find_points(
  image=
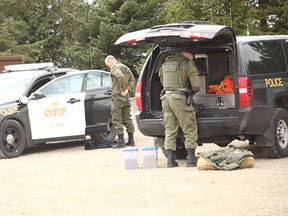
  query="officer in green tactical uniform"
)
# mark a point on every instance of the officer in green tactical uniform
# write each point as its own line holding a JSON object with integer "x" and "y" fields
{"x": 180, "y": 79}
{"x": 123, "y": 82}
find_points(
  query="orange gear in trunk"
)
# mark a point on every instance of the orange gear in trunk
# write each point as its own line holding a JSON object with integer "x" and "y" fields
{"x": 225, "y": 87}
{"x": 212, "y": 89}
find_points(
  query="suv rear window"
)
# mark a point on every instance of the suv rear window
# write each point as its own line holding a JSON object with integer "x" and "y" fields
{"x": 263, "y": 57}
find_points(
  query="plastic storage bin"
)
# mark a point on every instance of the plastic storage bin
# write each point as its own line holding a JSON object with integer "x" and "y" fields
{"x": 130, "y": 156}
{"x": 150, "y": 157}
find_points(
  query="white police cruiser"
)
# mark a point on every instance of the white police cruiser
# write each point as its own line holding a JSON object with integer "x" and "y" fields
{"x": 41, "y": 104}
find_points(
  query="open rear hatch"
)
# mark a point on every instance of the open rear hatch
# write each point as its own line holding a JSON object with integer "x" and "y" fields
{"x": 214, "y": 46}
{"x": 179, "y": 32}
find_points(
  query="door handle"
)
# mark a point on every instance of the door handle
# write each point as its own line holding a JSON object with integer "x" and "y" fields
{"x": 109, "y": 92}
{"x": 73, "y": 100}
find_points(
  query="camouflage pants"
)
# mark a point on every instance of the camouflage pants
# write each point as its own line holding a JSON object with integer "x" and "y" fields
{"x": 121, "y": 114}
{"x": 177, "y": 113}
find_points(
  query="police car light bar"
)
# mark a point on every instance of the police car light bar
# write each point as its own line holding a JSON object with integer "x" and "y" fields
{"x": 25, "y": 67}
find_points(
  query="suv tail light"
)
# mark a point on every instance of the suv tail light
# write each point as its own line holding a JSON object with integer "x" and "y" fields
{"x": 138, "y": 95}
{"x": 246, "y": 94}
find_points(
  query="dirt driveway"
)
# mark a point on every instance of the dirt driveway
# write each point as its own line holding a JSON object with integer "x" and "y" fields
{"x": 65, "y": 179}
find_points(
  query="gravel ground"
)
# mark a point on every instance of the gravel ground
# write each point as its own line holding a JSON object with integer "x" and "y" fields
{"x": 65, "y": 179}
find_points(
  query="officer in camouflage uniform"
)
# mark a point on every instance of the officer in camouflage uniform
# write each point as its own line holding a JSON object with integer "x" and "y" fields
{"x": 123, "y": 82}
{"x": 180, "y": 79}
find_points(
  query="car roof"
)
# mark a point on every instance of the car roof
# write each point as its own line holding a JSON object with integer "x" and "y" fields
{"x": 260, "y": 37}
{"x": 84, "y": 72}
{"x": 95, "y": 70}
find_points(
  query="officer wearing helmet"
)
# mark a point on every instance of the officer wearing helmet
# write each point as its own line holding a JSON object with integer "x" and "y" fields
{"x": 180, "y": 79}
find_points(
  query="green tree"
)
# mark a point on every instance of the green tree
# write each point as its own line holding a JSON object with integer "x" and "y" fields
{"x": 77, "y": 29}
{"x": 74, "y": 33}
{"x": 187, "y": 10}
{"x": 251, "y": 17}
{"x": 272, "y": 16}
{"x": 233, "y": 13}
{"x": 33, "y": 26}
{"x": 122, "y": 17}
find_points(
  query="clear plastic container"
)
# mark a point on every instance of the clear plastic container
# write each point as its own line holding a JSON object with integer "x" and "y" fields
{"x": 130, "y": 156}
{"x": 150, "y": 157}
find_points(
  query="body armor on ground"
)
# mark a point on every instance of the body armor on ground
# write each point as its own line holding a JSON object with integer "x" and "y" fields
{"x": 225, "y": 159}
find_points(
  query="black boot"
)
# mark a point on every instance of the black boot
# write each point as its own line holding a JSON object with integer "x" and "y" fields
{"x": 171, "y": 159}
{"x": 191, "y": 161}
{"x": 130, "y": 140}
{"x": 120, "y": 143}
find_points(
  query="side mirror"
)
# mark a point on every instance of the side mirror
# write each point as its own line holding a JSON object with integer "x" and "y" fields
{"x": 37, "y": 96}
{"x": 23, "y": 100}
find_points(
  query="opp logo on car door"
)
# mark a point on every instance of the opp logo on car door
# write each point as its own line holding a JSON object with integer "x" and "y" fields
{"x": 56, "y": 117}
{"x": 55, "y": 111}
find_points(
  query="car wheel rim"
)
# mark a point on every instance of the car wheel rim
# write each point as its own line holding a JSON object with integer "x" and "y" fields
{"x": 11, "y": 139}
{"x": 282, "y": 134}
{"x": 110, "y": 129}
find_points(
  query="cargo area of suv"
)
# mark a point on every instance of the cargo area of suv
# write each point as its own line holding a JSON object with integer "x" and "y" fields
{"x": 215, "y": 65}
{"x": 232, "y": 102}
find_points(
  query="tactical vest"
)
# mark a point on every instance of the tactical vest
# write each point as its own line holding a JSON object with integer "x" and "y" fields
{"x": 226, "y": 159}
{"x": 173, "y": 76}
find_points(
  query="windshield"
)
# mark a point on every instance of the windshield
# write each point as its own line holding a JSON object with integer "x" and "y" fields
{"x": 12, "y": 87}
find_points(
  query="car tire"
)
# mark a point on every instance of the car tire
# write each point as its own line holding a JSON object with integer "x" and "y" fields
{"x": 105, "y": 137}
{"x": 279, "y": 130}
{"x": 13, "y": 139}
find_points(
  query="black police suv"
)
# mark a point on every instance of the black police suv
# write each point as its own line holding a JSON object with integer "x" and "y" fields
{"x": 39, "y": 104}
{"x": 244, "y": 85}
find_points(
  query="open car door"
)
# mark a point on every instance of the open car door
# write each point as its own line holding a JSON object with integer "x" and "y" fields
{"x": 180, "y": 32}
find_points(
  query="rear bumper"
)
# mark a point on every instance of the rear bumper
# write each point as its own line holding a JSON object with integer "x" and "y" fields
{"x": 207, "y": 127}
{"x": 247, "y": 121}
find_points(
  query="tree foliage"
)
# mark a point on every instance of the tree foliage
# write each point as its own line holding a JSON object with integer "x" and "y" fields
{"x": 75, "y": 33}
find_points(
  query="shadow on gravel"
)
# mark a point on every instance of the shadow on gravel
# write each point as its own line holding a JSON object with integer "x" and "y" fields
{"x": 54, "y": 147}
